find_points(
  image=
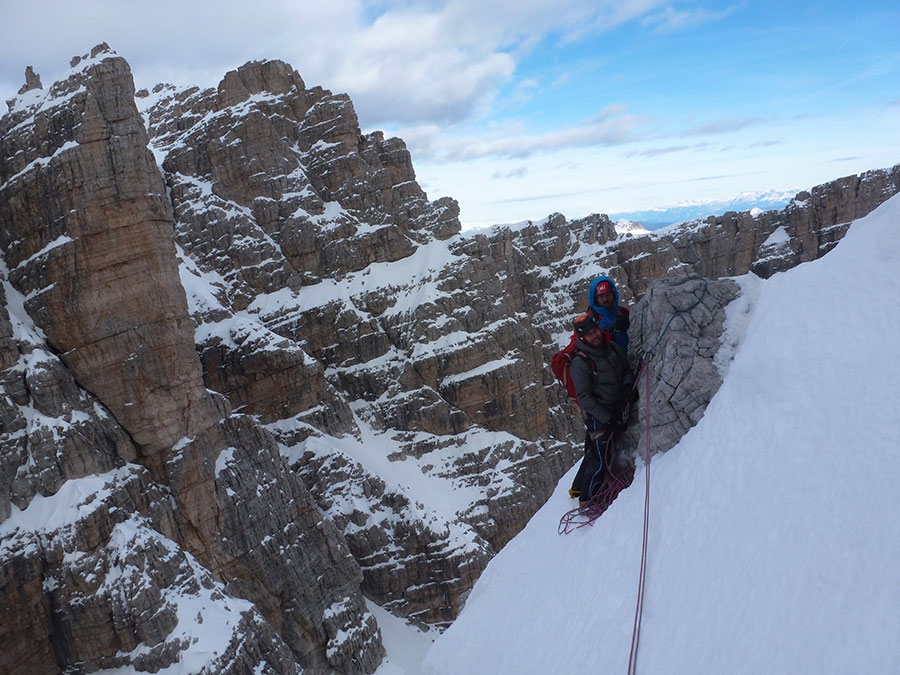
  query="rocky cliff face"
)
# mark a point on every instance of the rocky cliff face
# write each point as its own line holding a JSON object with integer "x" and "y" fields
{"x": 103, "y": 389}
{"x": 252, "y": 375}
{"x": 761, "y": 242}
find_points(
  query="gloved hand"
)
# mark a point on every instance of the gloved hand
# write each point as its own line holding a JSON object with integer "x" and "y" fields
{"x": 634, "y": 395}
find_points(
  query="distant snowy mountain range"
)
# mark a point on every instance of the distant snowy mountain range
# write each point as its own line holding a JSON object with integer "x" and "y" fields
{"x": 653, "y": 219}
{"x": 637, "y": 222}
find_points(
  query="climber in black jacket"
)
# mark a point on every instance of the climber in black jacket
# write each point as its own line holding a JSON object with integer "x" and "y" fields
{"x": 604, "y": 385}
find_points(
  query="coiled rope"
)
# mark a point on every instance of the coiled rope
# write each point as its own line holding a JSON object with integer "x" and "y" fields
{"x": 615, "y": 482}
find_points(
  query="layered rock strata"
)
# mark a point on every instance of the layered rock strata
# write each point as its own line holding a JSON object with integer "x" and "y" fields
{"x": 102, "y": 375}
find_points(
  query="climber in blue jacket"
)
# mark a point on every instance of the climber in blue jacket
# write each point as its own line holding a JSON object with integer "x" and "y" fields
{"x": 603, "y": 301}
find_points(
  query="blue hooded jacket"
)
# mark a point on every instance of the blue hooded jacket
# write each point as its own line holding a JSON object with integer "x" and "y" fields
{"x": 614, "y": 320}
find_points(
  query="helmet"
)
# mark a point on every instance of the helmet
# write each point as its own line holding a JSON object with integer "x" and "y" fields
{"x": 584, "y": 323}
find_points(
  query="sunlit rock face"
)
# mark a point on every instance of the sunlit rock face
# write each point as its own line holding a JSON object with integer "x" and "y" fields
{"x": 257, "y": 376}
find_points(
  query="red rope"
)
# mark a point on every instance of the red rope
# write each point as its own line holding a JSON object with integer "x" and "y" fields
{"x": 639, "y": 609}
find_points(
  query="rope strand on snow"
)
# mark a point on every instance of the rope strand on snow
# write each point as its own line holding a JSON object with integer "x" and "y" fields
{"x": 639, "y": 608}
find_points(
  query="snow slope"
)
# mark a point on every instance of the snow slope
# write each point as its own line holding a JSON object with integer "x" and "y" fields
{"x": 774, "y": 533}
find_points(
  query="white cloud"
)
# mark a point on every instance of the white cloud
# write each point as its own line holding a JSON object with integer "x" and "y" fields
{"x": 721, "y": 126}
{"x": 494, "y": 99}
{"x": 669, "y": 18}
{"x": 614, "y": 130}
{"x": 612, "y": 126}
{"x": 447, "y": 63}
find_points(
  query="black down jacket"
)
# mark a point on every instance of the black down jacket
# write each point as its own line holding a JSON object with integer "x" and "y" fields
{"x": 604, "y": 384}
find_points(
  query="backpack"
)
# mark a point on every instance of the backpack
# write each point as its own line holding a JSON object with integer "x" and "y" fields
{"x": 561, "y": 364}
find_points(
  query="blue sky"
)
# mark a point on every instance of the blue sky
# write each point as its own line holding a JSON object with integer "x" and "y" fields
{"x": 522, "y": 108}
